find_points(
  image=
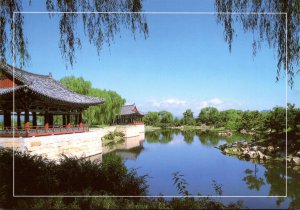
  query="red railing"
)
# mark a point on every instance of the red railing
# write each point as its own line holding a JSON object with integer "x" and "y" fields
{"x": 42, "y": 131}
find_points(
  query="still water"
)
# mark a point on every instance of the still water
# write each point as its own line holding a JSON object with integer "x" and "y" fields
{"x": 162, "y": 153}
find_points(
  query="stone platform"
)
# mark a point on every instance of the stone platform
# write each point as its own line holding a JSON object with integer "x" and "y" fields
{"x": 76, "y": 144}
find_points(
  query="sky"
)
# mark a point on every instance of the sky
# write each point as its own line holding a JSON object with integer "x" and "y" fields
{"x": 184, "y": 63}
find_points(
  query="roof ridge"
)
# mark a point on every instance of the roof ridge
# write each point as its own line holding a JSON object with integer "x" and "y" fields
{"x": 27, "y": 72}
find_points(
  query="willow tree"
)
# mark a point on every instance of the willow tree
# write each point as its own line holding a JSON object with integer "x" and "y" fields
{"x": 266, "y": 27}
{"x": 100, "y": 114}
{"x": 100, "y": 26}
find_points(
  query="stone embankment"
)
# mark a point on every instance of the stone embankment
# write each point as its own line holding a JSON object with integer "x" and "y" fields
{"x": 250, "y": 150}
{"x": 76, "y": 144}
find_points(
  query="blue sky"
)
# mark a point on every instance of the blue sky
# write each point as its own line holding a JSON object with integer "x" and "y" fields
{"x": 184, "y": 63}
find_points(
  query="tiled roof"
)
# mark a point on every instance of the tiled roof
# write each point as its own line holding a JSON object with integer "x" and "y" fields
{"x": 130, "y": 109}
{"x": 47, "y": 87}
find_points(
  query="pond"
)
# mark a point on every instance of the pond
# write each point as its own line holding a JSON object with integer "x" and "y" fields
{"x": 193, "y": 154}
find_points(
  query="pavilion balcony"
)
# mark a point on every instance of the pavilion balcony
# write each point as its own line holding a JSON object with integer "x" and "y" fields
{"x": 42, "y": 131}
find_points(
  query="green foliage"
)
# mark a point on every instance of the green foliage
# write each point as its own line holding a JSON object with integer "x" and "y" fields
{"x": 277, "y": 119}
{"x": 103, "y": 113}
{"x": 188, "y": 118}
{"x": 209, "y": 116}
{"x": 71, "y": 176}
{"x": 229, "y": 118}
{"x": 152, "y": 119}
{"x": 35, "y": 175}
{"x": 113, "y": 138}
{"x": 177, "y": 122}
{"x": 166, "y": 118}
{"x": 162, "y": 119}
{"x": 252, "y": 121}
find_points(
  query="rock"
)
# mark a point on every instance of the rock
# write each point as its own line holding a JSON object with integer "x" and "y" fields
{"x": 245, "y": 152}
{"x": 222, "y": 147}
{"x": 262, "y": 149}
{"x": 298, "y": 154}
{"x": 270, "y": 148}
{"x": 297, "y": 168}
{"x": 296, "y": 161}
{"x": 261, "y": 155}
{"x": 234, "y": 149}
{"x": 255, "y": 148}
{"x": 252, "y": 154}
{"x": 245, "y": 144}
{"x": 289, "y": 159}
{"x": 226, "y": 151}
{"x": 243, "y": 131}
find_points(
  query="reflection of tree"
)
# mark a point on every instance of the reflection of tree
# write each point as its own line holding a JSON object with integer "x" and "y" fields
{"x": 208, "y": 139}
{"x": 275, "y": 176}
{"x": 152, "y": 136}
{"x": 162, "y": 136}
{"x": 213, "y": 139}
{"x": 188, "y": 136}
{"x": 166, "y": 136}
{"x": 252, "y": 180}
{"x": 136, "y": 151}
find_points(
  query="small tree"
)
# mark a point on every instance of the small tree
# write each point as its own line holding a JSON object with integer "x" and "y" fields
{"x": 166, "y": 118}
{"x": 277, "y": 119}
{"x": 188, "y": 118}
{"x": 151, "y": 118}
{"x": 209, "y": 116}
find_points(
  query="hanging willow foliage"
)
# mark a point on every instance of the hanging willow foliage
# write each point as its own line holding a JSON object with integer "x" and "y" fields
{"x": 103, "y": 113}
{"x": 266, "y": 27}
{"x": 99, "y": 27}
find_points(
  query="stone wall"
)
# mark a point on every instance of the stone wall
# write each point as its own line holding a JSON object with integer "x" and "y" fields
{"x": 77, "y": 144}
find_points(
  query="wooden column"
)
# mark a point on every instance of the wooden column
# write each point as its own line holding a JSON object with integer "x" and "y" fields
{"x": 68, "y": 120}
{"x": 19, "y": 120}
{"x": 7, "y": 119}
{"x": 26, "y": 120}
{"x": 46, "y": 120}
{"x": 64, "y": 120}
{"x": 76, "y": 119}
{"x": 50, "y": 116}
{"x": 80, "y": 120}
{"x": 34, "y": 123}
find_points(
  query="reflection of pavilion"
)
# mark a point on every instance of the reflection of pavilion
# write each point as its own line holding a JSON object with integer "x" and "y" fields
{"x": 34, "y": 95}
{"x": 129, "y": 149}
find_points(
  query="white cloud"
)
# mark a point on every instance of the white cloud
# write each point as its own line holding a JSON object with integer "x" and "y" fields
{"x": 168, "y": 102}
{"x": 178, "y": 106}
{"x": 220, "y": 104}
{"x": 215, "y": 102}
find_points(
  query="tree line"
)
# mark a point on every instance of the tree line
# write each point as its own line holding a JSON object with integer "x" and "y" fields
{"x": 99, "y": 114}
{"x": 232, "y": 119}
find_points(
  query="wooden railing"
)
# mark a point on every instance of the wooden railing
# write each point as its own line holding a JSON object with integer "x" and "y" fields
{"x": 42, "y": 131}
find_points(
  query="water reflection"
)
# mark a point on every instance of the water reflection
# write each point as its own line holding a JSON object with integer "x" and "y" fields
{"x": 130, "y": 148}
{"x": 208, "y": 138}
{"x": 252, "y": 180}
{"x": 165, "y": 151}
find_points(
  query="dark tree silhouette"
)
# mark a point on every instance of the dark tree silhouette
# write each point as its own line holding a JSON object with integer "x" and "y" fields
{"x": 270, "y": 28}
{"x": 98, "y": 28}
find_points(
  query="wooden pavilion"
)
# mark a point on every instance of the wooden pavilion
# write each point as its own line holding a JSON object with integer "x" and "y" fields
{"x": 30, "y": 95}
{"x": 130, "y": 115}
